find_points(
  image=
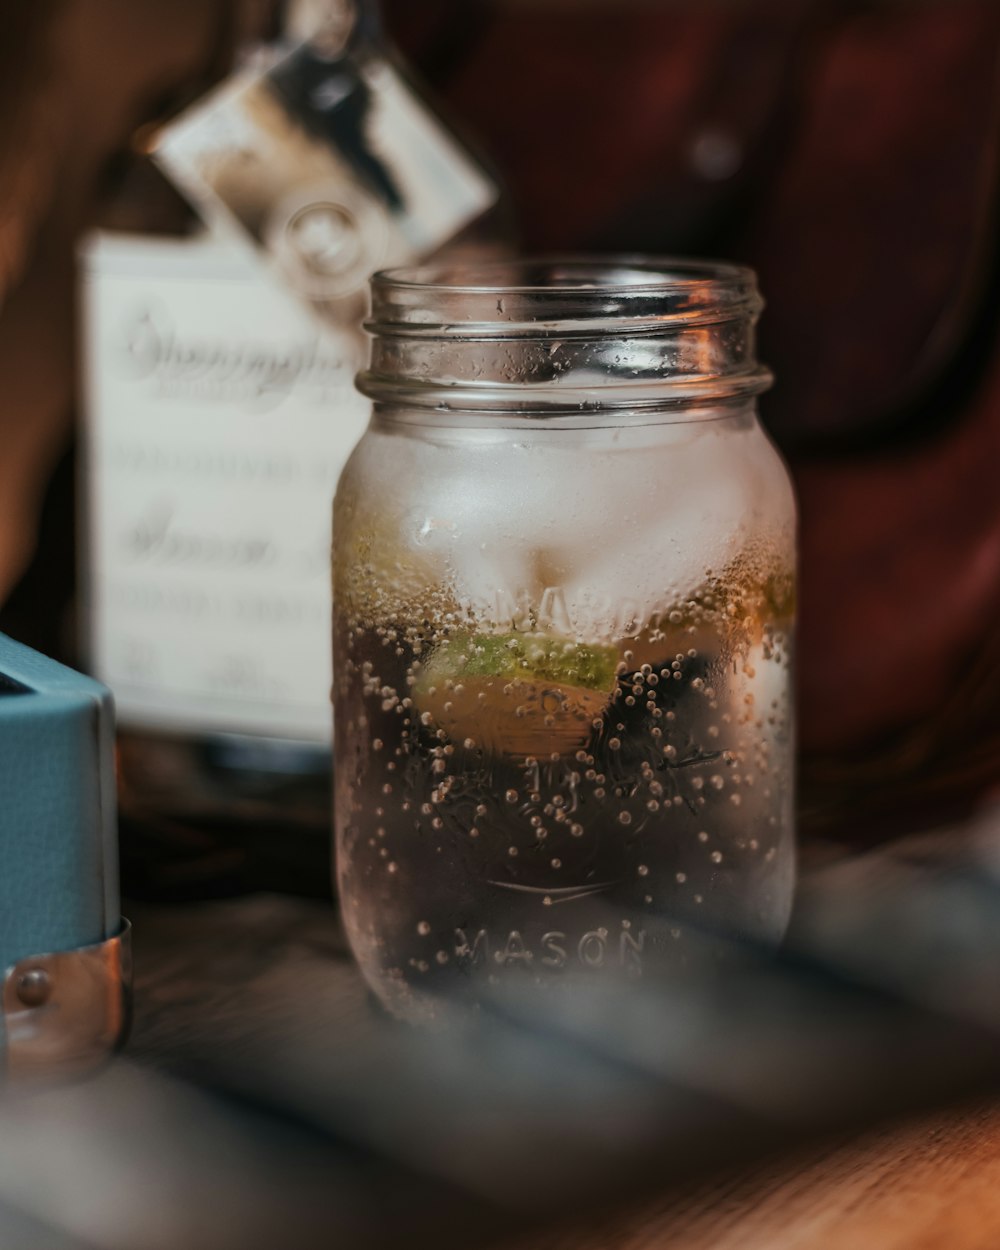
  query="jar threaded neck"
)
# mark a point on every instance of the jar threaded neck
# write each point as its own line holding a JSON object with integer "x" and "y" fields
{"x": 556, "y": 335}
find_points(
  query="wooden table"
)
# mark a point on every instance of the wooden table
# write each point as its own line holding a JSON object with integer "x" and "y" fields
{"x": 841, "y": 1097}
{"x": 929, "y": 1183}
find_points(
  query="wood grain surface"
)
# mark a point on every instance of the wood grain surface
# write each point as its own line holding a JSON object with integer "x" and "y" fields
{"x": 927, "y": 1184}
{"x": 843, "y": 1095}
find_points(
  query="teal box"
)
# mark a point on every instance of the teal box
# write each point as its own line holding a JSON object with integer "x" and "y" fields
{"x": 63, "y": 945}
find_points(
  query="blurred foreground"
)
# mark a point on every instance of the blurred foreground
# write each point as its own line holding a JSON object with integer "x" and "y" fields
{"x": 264, "y": 1100}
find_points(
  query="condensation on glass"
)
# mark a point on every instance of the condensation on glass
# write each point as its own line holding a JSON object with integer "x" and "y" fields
{"x": 564, "y": 596}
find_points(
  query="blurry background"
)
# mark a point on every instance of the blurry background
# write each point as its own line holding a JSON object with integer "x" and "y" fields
{"x": 848, "y": 151}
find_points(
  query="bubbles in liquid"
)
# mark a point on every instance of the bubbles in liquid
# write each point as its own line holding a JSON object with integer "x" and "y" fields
{"x": 541, "y": 826}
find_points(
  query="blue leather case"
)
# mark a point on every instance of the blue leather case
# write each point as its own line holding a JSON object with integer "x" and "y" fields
{"x": 64, "y": 949}
{"x": 59, "y": 884}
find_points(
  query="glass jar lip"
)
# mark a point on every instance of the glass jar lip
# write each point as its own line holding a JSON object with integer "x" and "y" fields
{"x": 558, "y": 335}
{"x": 583, "y": 294}
{"x": 609, "y": 273}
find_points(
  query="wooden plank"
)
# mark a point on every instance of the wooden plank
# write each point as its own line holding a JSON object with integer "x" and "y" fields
{"x": 265, "y": 1100}
{"x": 928, "y": 1184}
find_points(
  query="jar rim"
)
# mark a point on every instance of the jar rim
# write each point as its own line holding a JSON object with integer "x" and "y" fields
{"x": 614, "y": 273}
{"x": 511, "y": 297}
{"x": 553, "y": 335}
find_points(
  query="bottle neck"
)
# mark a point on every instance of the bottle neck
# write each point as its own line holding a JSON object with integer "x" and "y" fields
{"x": 342, "y": 22}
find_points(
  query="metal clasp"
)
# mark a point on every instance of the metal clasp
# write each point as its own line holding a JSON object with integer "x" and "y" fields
{"x": 67, "y": 1011}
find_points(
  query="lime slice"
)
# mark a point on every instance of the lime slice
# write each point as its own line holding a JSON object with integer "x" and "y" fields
{"x": 517, "y": 694}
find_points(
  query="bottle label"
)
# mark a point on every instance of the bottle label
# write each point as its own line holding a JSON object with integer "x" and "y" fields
{"x": 219, "y": 417}
{"x": 221, "y": 410}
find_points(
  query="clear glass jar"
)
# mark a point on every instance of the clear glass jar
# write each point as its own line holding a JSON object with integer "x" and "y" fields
{"x": 564, "y": 572}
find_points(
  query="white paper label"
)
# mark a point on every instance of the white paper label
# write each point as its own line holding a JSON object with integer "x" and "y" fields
{"x": 221, "y": 411}
{"x": 220, "y": 416}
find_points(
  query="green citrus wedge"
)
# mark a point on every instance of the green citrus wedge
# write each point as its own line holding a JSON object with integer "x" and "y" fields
{"x": 517, "y": 694}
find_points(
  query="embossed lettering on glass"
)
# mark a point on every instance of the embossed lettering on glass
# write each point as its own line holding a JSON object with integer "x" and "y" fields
{"x": 564, "y": 576}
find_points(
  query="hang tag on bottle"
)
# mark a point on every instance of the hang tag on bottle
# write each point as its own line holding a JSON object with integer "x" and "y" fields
{"x": 329, "y": 166}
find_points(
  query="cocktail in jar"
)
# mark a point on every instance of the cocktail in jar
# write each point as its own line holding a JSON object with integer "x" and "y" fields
{"x": 564, "y": 601}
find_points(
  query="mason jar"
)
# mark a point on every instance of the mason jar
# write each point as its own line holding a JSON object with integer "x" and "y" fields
{"x": 564, "y": 589}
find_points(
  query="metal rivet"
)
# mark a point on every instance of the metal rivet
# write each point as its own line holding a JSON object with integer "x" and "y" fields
{"x": 33, "y": 987}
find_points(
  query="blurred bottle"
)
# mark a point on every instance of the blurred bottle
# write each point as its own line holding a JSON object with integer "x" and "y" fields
{"x": 219, "y": 371}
